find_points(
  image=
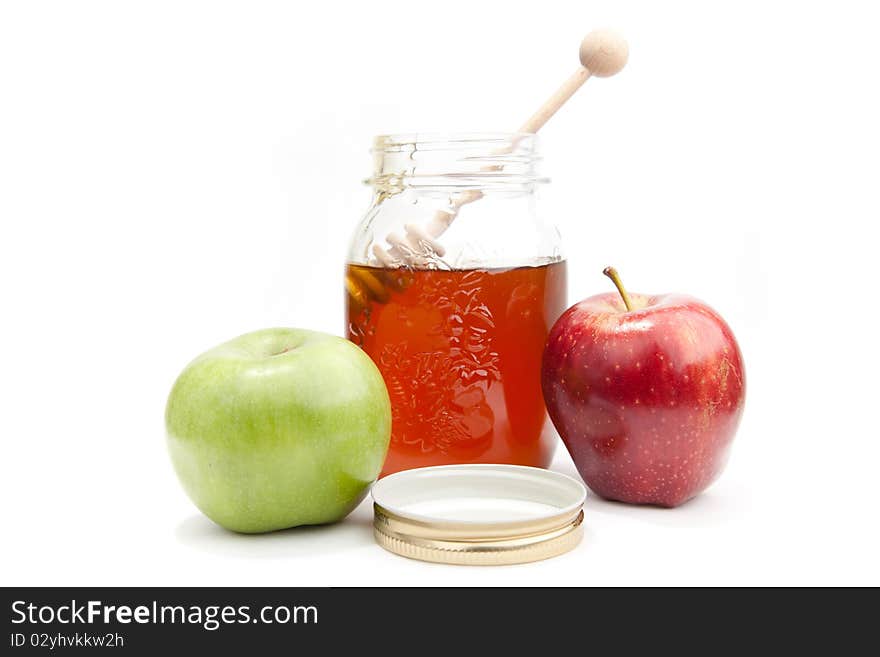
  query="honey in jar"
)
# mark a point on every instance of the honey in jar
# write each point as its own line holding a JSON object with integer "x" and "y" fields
{"x": 460, "y": 352}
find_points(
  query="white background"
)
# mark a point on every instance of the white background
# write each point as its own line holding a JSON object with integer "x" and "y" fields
{"x": 173, "y": 174}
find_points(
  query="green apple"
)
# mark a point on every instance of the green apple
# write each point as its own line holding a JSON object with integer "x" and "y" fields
{"x": 278, "y": 428}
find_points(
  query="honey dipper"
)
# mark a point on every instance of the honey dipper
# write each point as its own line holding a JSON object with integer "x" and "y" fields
{"x": 602, "y": 54}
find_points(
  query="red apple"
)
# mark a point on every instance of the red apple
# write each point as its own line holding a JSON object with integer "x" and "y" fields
{"x": 646, "y": 392}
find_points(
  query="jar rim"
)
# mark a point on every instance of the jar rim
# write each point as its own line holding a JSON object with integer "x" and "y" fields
{"x": 437, "y": 140}
{"x": 502, "y": 161}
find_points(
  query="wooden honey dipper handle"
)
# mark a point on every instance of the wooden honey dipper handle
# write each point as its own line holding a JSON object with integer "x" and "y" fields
{"x": 602, "y": 54}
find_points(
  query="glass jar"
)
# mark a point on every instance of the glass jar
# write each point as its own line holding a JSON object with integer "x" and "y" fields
{"x": 453, "y": 282}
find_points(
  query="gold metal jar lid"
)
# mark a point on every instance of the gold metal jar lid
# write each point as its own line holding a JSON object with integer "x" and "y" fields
{"x": 478, "y": 514}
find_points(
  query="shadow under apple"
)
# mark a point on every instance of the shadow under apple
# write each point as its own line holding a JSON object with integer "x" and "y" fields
{"x": 709, "y": 509}
{"x": 353, "y": 532}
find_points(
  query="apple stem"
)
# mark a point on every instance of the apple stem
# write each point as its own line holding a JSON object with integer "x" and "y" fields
{"x": 611, "y": 273}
